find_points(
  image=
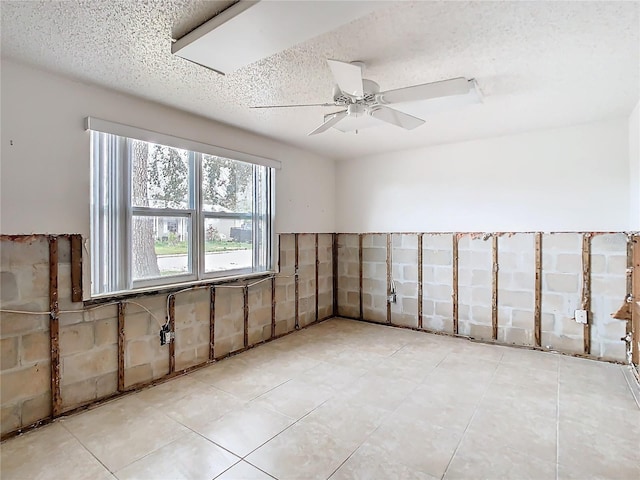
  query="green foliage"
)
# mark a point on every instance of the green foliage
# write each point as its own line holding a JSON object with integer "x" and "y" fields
{"x": 227, "y": 183}
{"x": 181, "y": 248}
{"x": 168, "y": 175}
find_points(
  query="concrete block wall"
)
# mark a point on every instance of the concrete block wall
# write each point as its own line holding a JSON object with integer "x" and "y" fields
{"x": 25, "y": 379}
{"x": 516, "y": 289}
{"x": 475, "y": 265}
{"x": 404, "y": 261}
{"x": 437, "y": 282}
{"x": 88, "y": 336}
{"x": 348, "y": 276}
{"x": 306, "y": 278}
{"x": 374, "y": 278}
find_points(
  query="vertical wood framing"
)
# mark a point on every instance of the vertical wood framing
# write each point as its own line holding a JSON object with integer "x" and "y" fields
{"x": 245, "y": 301}
{"x": 273, "y": 307}
{"x": 121, "y": 310}
{"x": 420, "y": 237}
{"x": 212, "y": 323}
{"x": 361, "y": 314}
{"x": 76, "y": 267}
{"x": 334, "y": 269}
{"x": 172, "y": 329}
{"x": 538, "y": 291}
{"x": 494, "y": 291}
{"x": 454, "y": 296}
{"x": 54, "y": 327}
{"x": 317, "y": 275}
{"x": 388, "y": 278}
{"x": 635, "y": 303}
{"x": 586, "y": 289}
{"x": 297, "y": 284}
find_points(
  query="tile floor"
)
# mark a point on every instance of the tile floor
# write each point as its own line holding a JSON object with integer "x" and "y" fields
{"x": 351, "y": 400}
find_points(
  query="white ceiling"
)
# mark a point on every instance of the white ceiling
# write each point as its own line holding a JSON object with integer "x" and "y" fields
{"x": 539, "y": 64}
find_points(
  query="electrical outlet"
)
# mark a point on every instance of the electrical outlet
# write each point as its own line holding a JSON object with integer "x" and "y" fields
{"x": 392, "y": 298}
{"x": 581, "y": 316}
{"x": 165, "y": 335}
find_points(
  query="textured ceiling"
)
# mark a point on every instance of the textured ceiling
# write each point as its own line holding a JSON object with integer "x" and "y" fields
{"x": 539, "y": 64}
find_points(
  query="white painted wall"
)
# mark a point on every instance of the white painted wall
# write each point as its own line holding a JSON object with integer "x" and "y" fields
{"x": 45, "y": 173}
{"x": 634, "y": 168}
{"x": 573, "y": 178}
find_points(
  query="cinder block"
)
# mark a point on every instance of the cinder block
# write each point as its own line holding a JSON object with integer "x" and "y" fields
{"x": 8, "y": 353}
{"x": 617, "y": 265}
{"x": 8, "y": 287}
{"x": 410, "y": 272}
{"x": 24, "y": 383}
{"x": 562, "y": 282}
{"x": 480, "y": 331}
{"x": 438, "y": 241}
{"x": 613, "y": 286}
{"x": 515, "y": 299}
{"x": 136, "y": 325}
{"x": 106, "y": 384}
{"x": 36, "y": 408}
{"x": 16, "y": 324}
{"x": 562, "y": 242}
{"x": 481, "y": 314}
{"x": 437, "y": 257}
{"x": 36, "y": 347}
{"x": 516, "y": 336}
{"x": 569, "y": 263}
{"x": 10, "y": 418}
{"x": 76, "y": 338}
{"x": 404, "y": 256}
{"x": 523, "y": 319}
{"x": 90, "y": 364}
{"x": 481, "y": 278}
{"x": 444, "y": 309}
{"x": 481, "y": 295}
{"x": 78, "y": 393}
{"x": 610, "y": 242}
{"x": 410, "y": 306}
{"x": 139, "y": 374}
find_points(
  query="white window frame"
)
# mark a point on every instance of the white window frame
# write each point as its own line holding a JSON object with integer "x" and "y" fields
{"x": 121, "y": 272}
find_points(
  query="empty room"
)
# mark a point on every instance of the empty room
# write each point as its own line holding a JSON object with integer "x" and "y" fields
{"x": 320, "y": 240}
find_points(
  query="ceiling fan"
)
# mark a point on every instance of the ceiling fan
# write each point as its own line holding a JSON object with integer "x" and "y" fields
{"x": 361, "y": 98}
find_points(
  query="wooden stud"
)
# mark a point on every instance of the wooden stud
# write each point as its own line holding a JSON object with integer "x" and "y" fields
{"x": 361, "y": 316}
{"x": 635, "y": 302}
{"x": 317, "y": 276}
{"x": 334, "y": 278}
{"x": 121, "y": 311}
{"x": 76, "y": 268}
{"x": 172, "y": 329}
{"x": 454, "y": 296}
{"x": 212, "y": 323}
{"x": 388, "y": 278}
{"x": 494, "y": 292}
{"x": 537, "y": 316}
{"x": 273, "y": 307}
{"x": 420, "y": 235}
{"x": 245, "y": 300}
{"x": 586, "y": 289}
{"x": 54, "y": 327}
{"x": 297, "y": 284}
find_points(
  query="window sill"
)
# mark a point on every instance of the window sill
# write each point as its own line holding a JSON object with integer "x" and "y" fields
{"x": 173, "y": 288}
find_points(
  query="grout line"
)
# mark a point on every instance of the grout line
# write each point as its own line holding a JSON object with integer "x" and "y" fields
{"x": 475, "y": 411}
{"x": 90, "y": 452}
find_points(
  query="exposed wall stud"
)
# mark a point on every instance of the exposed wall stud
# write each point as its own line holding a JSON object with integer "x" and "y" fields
{"x": 635, "y": 305}
{"x": 420, "y": 242}
{"x": 494, "y": 292}
{"x": 273, "y": 307}
{"x": 54, "y": 327}
{"x": 212, "y": 322}
{"x": 76, "y": 267}
{"x": 389, "y": 287}
{"x": 172, "y": 329}
{"x": 538, "y": 291}
{"x": 317, "y": 276}
{"x": 334, "y": 260}
{"x": 297, "y": 283}
{"x": 121, "y": 310}
{"x": 586, "y": 289}
{"x": 454, "y": 296}
{"x": 245, "y": 301}
{"x": 360, "y": 237}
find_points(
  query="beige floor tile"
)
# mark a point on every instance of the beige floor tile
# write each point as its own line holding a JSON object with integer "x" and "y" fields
{"x": 123, "y": 431}
{"x": 50, "y": 452}
{"x": 419, "y": 445}
{"x": 531, "y": 359}
{"x": 168, "y": 393}
{"x": 189, "y": 457}
{"x": 336, "y": 377}
{"x": 365, "y": 464}
{"x": 483, "y": 460}
{"x": 307, "y": 451}
{"x": 437, "y": 411}
{"x": 245, "y": 429}
{"x": 244, "y": 471}
{"x": 295, "y": 398}
{"x": 383, "y": 392}
{"x": 248, "y": 383}
{"x": 203, "y": 405}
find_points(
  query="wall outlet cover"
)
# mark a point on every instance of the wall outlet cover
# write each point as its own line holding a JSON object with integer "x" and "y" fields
{"x": 581, "y": 316}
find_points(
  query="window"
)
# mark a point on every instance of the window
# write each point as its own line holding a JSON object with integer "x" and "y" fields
{"x": 163, "y": 215}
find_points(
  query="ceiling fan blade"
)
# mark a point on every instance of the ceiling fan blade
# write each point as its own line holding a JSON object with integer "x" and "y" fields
{"x": 303, "y": 105}
{"x": 348, "y": 77}
{"x": 444, "y": 88}
{"x": 330, "y": 121}
{"x": 396, "y": 117}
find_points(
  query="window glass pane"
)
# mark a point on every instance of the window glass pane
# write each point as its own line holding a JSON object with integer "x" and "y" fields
{"x": 227, "y": 244}
{"x": 160, "y": 246}
{"x": 227, "y": 185}
{"x": 159, "y": 176}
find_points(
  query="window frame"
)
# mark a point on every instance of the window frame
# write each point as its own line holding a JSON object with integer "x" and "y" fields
{"x": 121, "y": 271}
